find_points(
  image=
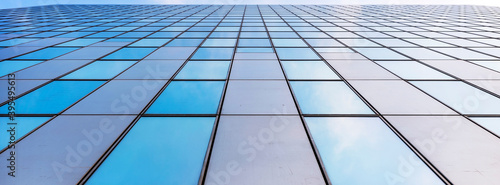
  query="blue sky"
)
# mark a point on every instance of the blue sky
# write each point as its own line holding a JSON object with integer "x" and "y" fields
{"x": 24, "y": 3}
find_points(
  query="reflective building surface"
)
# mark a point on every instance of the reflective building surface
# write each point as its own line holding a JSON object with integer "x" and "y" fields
{"x": 250, "y": 95}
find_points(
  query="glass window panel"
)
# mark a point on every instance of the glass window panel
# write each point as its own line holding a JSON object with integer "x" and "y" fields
{"x": 380, "y": 54}
{"x": 10, "y": 66}
{"x": 54, "y": 97}
{"x": 23, "y": 126}
{"x": 164, "y": 34}
{"x": 462, "y": 53}
{"x": 204, "y": 70}
{"x": 150, "y": 42}
{"x": 328, "y": 98}
{"x": 412, "y": 70}
{"x": 81, "y": 42}
{"x": 492, "y": 124}
{"x": 224, "y": 34}
{"x": 100, "y": 70}
{"x": 461, "y": 97}
{"x": 174, "y": 153}
{"x": 255, "y": 50}
{"x": 47, "y": 53}
{"x": 429, "y": 43}
{"x": 308, "y": 70}
{"x": 185, "y": 42}
{"x": 253, "y": 35}
{"x": 283, "y": 34}
{"x": 296, "y": 54}
{"x": 194, "y": 35}
{"x": 394, "y": 43}
{"x": 258, "y": 97}
{"x": 324, "y": 43}
{"x": 358, "y": 42}
{"x": 495, "y": 65}
{"x": 351, "y": 148}
{"x": 422, "y": 53}
{"x": 189, "y": 97}
{"x": 130, "y": 53}
{"x": 214, "y": 53}
{"x": 289, "y": 43}
{"x": 16, "y": 41}
{"x": 254, "y": 43}
{"x": 219, "y": 42}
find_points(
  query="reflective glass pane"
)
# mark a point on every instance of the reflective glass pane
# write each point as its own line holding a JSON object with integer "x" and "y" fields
{"x": 254, "y": 43}
{"x": 296, "y": 54}
{"x": 54, "y": 97}
{"x": 328, "y": 98}
{"x": 150, "y": 42}
{"x": 81, "y": 42}
{"x": 22, "y": 125}
{"x": 380, "y": 54}
{"x": 174, "y": 152}
{"x": 13, "y": 42}
{"x": 47, "y": 53}
{"x": 185, "y": 42}
{"x": 492, "y": 124}
{"x": 100, "y": 70}
{"x": 352, "y": 148}
{"x": 204, "y": 70}
{"x": 412, "y": 70}
{"x": 10, "y": 66}
{"x": 289, "y": 43}
{"x": 308, "y": 70}
{"x": 130, "y": 53}
{"x": 214, "y": 53}
{"x": 461, "y": 97}
{"x": 219, "y": 43}
{"x": 189, "y": 97}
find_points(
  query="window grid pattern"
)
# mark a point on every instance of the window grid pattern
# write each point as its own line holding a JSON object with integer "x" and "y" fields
{"x": 316, "y": 67}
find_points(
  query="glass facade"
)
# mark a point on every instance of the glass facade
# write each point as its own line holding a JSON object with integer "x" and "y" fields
{"x": 250, "y": 94}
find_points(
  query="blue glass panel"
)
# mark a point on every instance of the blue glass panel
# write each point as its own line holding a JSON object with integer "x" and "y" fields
{"x": 296, "y": 54}
{"x": 333, "y": 97}
{"x": 366, "y": 151}
{"x": 150, "y": 42}
{"x": 194, "y": 35}
{"x": 204, "y": 70}
{"x": 134, "y": 34}
{"x": 308, "y": 70}
{"x": 80, "y": 42}
{"x": 224, "y": 34}
{"x": 130, "y": 53}
{"x": 214, "y": 53}
{"x": 100, "y": 70}
{"x": 165, "y": 34}
{"x": 54, "y": 97}
{"x": 185, "y": 42}
{"x": 47, "y": 53}
{"x": 22, "y": 127}
{"x": 189, "y": 97}
{"x": 13, "y": 42}
{"x": 10, "y": 66}
{"x": 105, "y": 34}
{"x": 173, "y": 154}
